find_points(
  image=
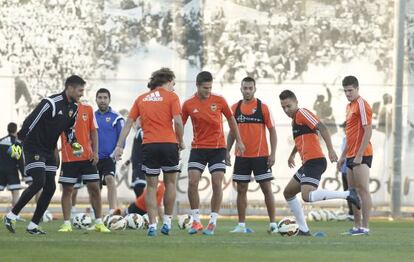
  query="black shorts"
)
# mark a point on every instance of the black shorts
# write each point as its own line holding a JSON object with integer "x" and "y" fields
{"x": 244, "y": 166}
{"x": 38, "y": 163}
{"x": 72, "y": 172}
{"x": 214, "y": 157}
{"x": 160, "y": 156}
{"x": 132, "y": 208}
{"x": 311, "y": 172}
{"x": 9, "y": 179}
{"x": 365, "y": 160}
{"x": 138, "y": 176}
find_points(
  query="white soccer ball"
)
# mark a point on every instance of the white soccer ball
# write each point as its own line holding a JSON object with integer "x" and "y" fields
{"x": 134, "y": 221}
{"x": 340, "y": 215}
{"x": 105, "y": 220}
{"x": 82, "y": 221}
{"x": 185, "y": 221}
{"x": 47, "y": 216}
{"x": 146, "y": 221}
{"x": 116, "y": 222}
{"x": 288, "y": 227}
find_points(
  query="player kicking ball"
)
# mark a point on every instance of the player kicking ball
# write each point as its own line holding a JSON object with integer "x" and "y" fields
{"x": 305, "y": 127}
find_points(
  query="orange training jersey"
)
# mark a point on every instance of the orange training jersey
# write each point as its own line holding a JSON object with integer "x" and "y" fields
{"x": 85, "y": 123}
{"x": 252, "y": 121}
{"x": 140, "y": 201}
{"x": 206, "y": 117}
{"x": 306, "y": 137}
{"x": 358, "y": 114}
{"x": 157, "y": 109}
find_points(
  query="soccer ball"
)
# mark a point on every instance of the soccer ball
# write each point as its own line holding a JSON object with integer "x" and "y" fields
{"x": 116, "y": 222}
{"x": 146, "y": 221}
{"x": 82, "y": 221}
{"x": 134, "y": 221}
{"x": 185, "y": 221}
{"x": 15, "y": 151}
{"x": 47, "y": 216}
{"x": 288, "y": 227}
{"x": 106, "y": 220}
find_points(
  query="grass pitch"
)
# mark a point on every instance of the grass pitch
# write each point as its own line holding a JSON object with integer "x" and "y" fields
{"x": 389, "y": 241}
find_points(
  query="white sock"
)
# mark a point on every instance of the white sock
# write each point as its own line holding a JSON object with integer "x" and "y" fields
{"x": 167, "y": 220}
{"x": 66, "y": 222}
{"x": 322, "y": 194}
{"x": 196, "y": 214}
{"x": 213, "y": 218}
{"x": 32, "y": 226}
{"x": 154, "y": 226}
{"x": 297, "y": 211}
{"x": 242, "y": 224}
{"x": 98, "y": 221}
{"x": 272, "y": 224}
{"x": 12, "y": 216}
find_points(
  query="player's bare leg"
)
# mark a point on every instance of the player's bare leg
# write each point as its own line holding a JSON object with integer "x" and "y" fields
{"x": 169, "y": 200}
{"x": 361, "y": 179}
{"x": 151, "y": 202}
{"x": 194, "y": 199}
{"x": 290, "y": 192}
{"x": 242, "y": 200}
{"x": 357, "y": 213}
{"x": 269, "y": 199}
{"x": 112, "y": 192}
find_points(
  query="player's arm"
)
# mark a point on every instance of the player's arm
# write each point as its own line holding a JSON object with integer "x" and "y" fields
{"x": 42, "y": 110}
{"x": 179, "y": 131}
{"x": 122, "y": 138}
{"x": 273, "y": 145}
{"x": 364, "y": 143}
{"x": 291, "y": 160}
{"x": 230, "y": 142}
{"x": 95, "y": 146}
{"x": 327, "y": 138}
{"x": 70, "y": 131}
{"x": 343, "y": 157}
{"x": 235, "y": 132}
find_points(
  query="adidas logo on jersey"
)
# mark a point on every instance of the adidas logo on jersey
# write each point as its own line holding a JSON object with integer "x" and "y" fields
{"x": 195, "y": 110}
{"x": 60, "y": 112}
{"x": 153, "y": 97}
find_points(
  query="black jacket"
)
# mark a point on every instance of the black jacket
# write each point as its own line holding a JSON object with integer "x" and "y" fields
{"x": 42, "y": 128}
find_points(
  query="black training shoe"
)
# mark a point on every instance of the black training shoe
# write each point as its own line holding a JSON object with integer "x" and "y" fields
{"x": 304, "y": 234}
{"x": 36, "y": 231}
{"x": 10, "y": 224}
{"x": 353, "y": 197}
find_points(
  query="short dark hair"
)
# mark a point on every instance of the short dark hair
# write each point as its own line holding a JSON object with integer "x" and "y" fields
{"x": 160, "y": 77}
{"x": 287, "y": 94}
{"x": 103, "y": 91}
{"x": 248, "y": 79}
{"x": 350, "y": 81}
{"x": 74, "y": 80}
{"x": 204, "y": 76}
{"x": 11, "y": 128}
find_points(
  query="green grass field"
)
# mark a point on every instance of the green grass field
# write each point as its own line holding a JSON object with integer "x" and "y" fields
{"x": 389, "y": 241}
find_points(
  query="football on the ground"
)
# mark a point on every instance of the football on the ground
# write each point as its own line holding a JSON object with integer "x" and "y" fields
{"x": 105, "y": 220}
{"x": 134, "y": 221}
{"x": 47, "y": 216}
{"x": 185, "y": 221}
{"x": 288, "y": 227}
{"x": 82, "y": 221}
{"x": 116, "y": 222}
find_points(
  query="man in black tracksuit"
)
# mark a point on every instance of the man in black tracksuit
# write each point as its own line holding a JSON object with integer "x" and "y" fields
{"x": 40, "y": 133}
{"x": 9, "y": 176}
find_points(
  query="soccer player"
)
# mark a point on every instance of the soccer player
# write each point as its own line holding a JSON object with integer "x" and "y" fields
{"x": 253, "y": 117}
{"x": 39, "y": 133}
{"x": 10, "y": 164}
{"x": 139, "y": 206}
{"x": 83, "y": 166}
{"x": 110, "y": 124}
{"x": 208, "y": 146}
{"x": 358, "y": 151}
{"x": 305, "y": 127}
{"x": 160, "y": 113}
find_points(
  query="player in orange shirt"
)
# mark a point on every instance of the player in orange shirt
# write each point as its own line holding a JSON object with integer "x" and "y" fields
{"x": 158, "y": 109}
{"x": 253, "y": 117}
{"x": 305, "y": 127}
{"x": 208, "y": 146}
{"x": 83, "y": 166}
{"x": 139, "y": 206}
{"x": 358, "y": 151}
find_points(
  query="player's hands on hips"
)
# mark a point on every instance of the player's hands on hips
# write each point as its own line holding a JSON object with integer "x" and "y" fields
{"x": 94, "y": 158}
{"x": 118, "y": 153}
{"x": 271, "y": 161}
{"x": 332, "y": 156}
{"x": 240, "y": 147}
{"x": 291, "y": 161}
{"x": 228, "y": 159}
{"x": 77, "y": 149}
